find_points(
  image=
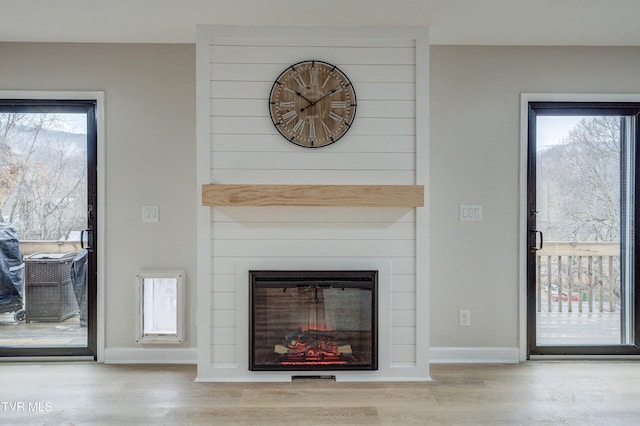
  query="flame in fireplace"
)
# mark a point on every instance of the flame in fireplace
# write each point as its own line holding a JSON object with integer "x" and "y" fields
{"x": 313, "y": 347}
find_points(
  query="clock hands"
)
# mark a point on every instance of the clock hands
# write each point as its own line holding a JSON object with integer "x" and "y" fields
{"x": 305, "y": 98}
{"x": 337, "y": 89}
{"x": 288, "y": 89}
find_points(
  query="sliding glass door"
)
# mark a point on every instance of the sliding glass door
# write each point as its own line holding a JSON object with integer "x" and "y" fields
{"x": 48, "y": 199}
{"x": 581, "y": 290}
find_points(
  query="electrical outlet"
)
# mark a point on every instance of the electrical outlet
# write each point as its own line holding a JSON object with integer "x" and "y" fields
{"x": 464, "y": 318}
{"x": 150, "y": 214}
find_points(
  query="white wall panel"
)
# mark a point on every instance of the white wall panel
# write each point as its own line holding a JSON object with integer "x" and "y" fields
{"x": 223, "y": 334}
{"x": 275, "y": 142}
{"x": 337, "y": 55}
{"x": 312, "y": 248}
{"x": 240, "y": 89}
{"x": 245, "y": 148}
{"x": 301, "y": 230}
{"x": 403, "y": 335}
{"x": 278, "y": 215}
{"x": 329, "y": 38}
{"x": 268, "y": 72}
{"x": 403, "y": 301}
{"x": 224, "y": 283}
{"x": 304, "y": 159}
{"x": 224, "y": 267}
{"x": 379, "y": 126}
{"x": 224, "y": 299}
{"x": 403, "y": 318}
{"x": 404, "y": 283}
{"x": 377, "y": 108}
{"x": 223, "y": 317}
{"x": 224, "y": 354}
{"x": 403, "y": 354}
{"x": 328, "y": 177}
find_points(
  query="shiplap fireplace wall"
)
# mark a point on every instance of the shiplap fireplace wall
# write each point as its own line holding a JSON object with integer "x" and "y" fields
{"x": 238, "y": 144}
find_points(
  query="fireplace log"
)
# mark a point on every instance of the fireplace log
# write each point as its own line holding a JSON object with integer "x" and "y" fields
{"x": 342, "y": 349}
{"x": 345, "y": 349}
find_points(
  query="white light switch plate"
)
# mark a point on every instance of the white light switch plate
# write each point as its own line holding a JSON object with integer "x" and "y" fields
{"x": 150, "y": 214}
{"x": 470, "y": 213}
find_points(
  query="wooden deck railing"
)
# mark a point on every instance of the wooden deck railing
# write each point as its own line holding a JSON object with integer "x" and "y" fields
{"x": 578, "y": 276}
{"x": 28, "y": 247}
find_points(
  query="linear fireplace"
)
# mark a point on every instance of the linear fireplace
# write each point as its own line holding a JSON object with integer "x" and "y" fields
{"x": 313, "y": 320}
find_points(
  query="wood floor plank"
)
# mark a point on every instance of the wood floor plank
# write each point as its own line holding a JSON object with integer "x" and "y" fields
{"x": 577, "y": 392}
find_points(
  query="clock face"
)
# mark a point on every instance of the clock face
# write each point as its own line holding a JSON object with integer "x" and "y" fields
{"x": 312, "y": 104}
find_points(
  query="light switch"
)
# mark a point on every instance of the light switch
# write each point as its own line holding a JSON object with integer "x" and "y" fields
{"x": 150, "y": 214}
{"x": 470, "y": 213}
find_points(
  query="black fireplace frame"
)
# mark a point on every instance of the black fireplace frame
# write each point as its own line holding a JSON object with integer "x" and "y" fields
{"x": 319, "y": 279}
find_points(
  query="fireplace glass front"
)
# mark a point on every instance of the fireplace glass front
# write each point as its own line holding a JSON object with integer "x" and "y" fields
{"x": 313, "y": 320}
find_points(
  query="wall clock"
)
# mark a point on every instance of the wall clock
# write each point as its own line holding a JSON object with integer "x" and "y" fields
{"x": 312, "y": 104}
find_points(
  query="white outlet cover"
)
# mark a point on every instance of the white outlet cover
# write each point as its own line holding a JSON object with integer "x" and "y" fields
{"x": 470, "y": 213}
{"x": 464, "y": 318}
{"x": 150, "y": 214}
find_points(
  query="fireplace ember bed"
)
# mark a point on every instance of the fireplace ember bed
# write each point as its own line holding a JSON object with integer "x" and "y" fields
{"x": 313, "y": 320}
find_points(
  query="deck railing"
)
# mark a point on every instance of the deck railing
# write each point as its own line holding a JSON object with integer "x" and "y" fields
{"x": 28, "y": 247}
{"x": 577, "y": 277}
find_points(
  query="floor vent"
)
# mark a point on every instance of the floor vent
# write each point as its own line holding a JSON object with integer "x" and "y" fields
{"x": 315, "y": 379}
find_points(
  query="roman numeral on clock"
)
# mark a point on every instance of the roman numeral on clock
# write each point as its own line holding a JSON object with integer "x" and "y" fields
{"x": 326, "y": 128}
{"x": 287, "y": 117}
{"x": 299, "y": 126}
{"x": 312, "y": 130}
{"x": 335, "y": 117}
{"x": 300, "y": 81}
{"x": 338, "y": 104}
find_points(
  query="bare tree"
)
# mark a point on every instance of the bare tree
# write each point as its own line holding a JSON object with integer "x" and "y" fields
{"x": 580, "y": 186}
{"x": 42, "y": 177}
{"x": 9, "y": 164}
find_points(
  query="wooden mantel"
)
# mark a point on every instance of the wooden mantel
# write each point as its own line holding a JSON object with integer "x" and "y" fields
{"x": 313, "y": 195}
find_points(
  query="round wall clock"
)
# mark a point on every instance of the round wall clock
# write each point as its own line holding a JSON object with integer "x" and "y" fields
{"x": 312, "y": 104}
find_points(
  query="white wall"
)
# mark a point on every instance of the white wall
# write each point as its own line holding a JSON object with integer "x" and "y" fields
{"x": 244, "y": 147}
{"x": 475, "y": 141}
{"x": 150, "y": 153}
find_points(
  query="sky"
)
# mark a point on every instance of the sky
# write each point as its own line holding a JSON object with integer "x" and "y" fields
{"x": 70, "y": 122}
{"x": 552, "y": 129}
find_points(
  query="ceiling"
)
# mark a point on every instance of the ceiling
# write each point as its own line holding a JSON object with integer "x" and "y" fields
{"x": 474, "y": 22}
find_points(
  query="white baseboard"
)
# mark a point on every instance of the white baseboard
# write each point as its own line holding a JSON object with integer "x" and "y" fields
{"x": 150, "y": 356}
{"x": 471, "y": 355}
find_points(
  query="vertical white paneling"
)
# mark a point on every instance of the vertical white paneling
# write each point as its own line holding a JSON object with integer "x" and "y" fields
{"x": 235, "y": 73}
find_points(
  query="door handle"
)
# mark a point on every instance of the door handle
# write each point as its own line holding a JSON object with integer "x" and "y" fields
{"x": 534, "y": 245}
{"x": 89, "y": 246}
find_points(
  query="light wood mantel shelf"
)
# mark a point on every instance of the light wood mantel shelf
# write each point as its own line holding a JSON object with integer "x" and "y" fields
{"x": 313, "y": 195}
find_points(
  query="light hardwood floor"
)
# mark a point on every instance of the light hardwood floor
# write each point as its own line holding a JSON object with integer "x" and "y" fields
{"x": 574, "y": 393}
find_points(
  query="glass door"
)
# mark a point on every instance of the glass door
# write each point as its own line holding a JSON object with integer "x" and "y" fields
{"x": 47, "y": 205}
{"x": 581, "y": 204}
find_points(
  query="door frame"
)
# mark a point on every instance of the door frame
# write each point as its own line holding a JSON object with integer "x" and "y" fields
{"x": 99, "y": 98}
{"x": 523, "y": 237}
